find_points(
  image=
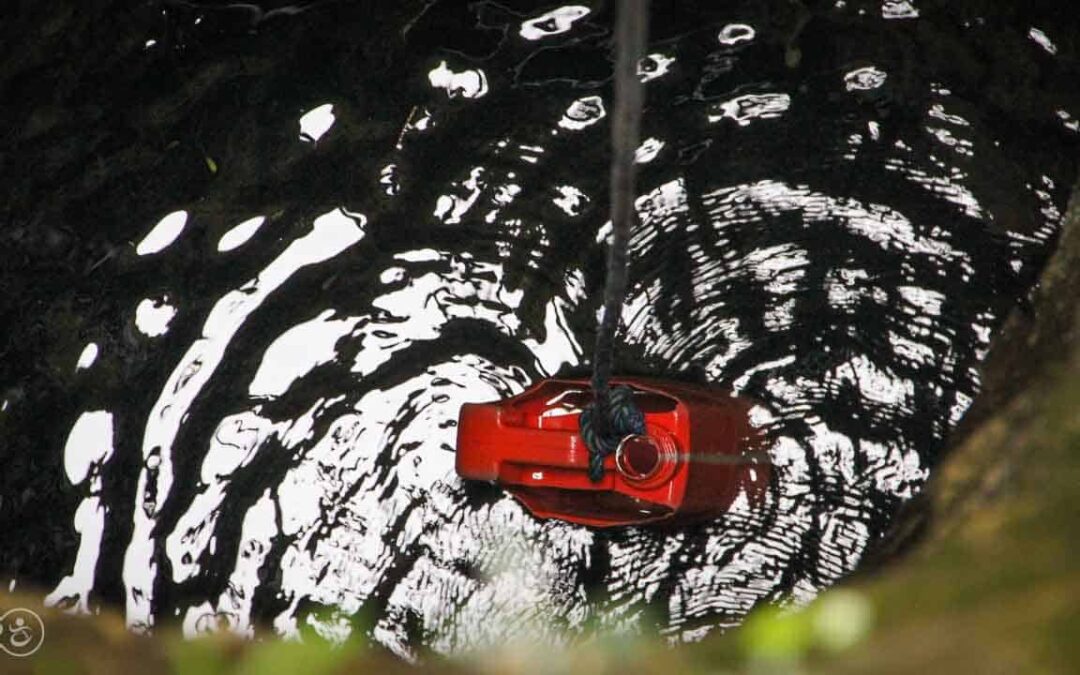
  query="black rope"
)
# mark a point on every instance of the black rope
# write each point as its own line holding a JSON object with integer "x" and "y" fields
{"x": 623, "y": 419}
{"x": 613, "y": 415}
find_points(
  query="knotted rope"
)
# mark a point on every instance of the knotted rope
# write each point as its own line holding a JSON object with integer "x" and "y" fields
{"x": 612, "y": 415}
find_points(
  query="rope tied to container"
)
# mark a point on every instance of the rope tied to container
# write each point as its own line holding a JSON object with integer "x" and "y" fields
{"x": 613, "y": 415}
{"x": 623, "y": 419}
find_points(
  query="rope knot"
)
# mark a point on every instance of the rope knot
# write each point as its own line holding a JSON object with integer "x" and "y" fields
{"x": 603, "y": 429}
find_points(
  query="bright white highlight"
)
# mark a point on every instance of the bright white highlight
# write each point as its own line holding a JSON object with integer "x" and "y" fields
{"x": 163, "y": 234}
{"x": 152, "y": 317}
{"x": 552, "y": 23}
{"x": 331, "y": 233}
{"x": 1043, "y": 40}
{"x": 744, "y": 109}
{"x": 90, "y": 442}
{"x": 862, "y": 79}
{"x": 240, "y": 234}
{"x": 571, "y": 200}
{"x": 734, "y": 33}
{"x": 654, "y": 66}
{"x": 297, "y": 351}
{"x": 466, "y": 84}
{"x": 898, "y": 9}
{"x": 88, "y": 356}
{"x": 648, "y": 150}
{"x": 88, "y": 447}
{"x": 316, "y": 122}
{"x": 582, "y": 113}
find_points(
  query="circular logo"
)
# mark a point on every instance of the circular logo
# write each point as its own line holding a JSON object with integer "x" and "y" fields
{"x": 21, "y": 632}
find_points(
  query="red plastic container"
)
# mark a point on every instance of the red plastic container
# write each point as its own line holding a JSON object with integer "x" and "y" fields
{"x": 699, "y": 451}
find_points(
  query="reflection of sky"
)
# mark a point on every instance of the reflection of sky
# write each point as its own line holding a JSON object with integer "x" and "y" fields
{"x": 163, "y": 234}
{"x": 370, "y": 500}
{"x": 240, "y": 234}
{"x": 316, "y": 122}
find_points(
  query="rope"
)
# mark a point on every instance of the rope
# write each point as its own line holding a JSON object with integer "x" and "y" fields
{"x": 623, "y": 419}
{"x": 613, "y": 415}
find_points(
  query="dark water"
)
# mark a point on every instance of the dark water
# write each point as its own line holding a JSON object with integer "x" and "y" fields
{"x": 836, "y": 211}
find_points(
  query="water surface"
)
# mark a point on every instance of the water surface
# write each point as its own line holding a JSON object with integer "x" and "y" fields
{"x": 834, "y": 216}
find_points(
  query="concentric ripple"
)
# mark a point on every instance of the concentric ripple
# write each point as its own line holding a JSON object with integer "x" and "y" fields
{"x": 818, "y": 241}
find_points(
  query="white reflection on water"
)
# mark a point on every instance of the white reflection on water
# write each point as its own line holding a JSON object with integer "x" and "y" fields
{"x": 734, "y": 33}
{"x": 88, "y": 356}
{"x": 1070, "y": 122}
{"x": 865, "y": 78}
{"x": 449, "y": 208}
{"x": 648, "y": 150}
{"x": 899, "y": 9}
{"x": 331, "y": 234}
{"x": 571, "y": 200}
{"x": 466, "y": 84}
{"x": 164, "y": 233}
{"x": 653, "y": 66}
{"x": 582, "y": 113}
{"x": 1040, "y": 38}
{"x": 748, "y": 107}
{"x": 316, "y": 122}
{"x": 152, "y": 316}
{"x": 240, "y": 234}
{"x": 297, "y": 351}
{"x": 89, "y": 446}
{"x": 552, "y": 23}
